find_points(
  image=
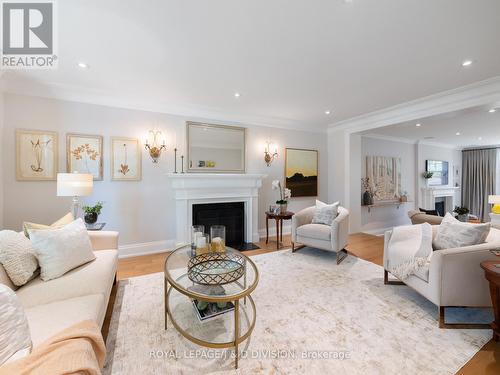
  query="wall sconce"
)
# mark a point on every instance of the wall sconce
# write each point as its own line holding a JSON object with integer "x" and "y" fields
{"x": 154, "y": 147}
{"x": 270, "y": 152}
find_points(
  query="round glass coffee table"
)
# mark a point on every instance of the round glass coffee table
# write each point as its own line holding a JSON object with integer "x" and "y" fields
{"x": 226, "y": 329}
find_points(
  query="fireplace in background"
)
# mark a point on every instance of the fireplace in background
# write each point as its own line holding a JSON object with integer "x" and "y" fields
{"x": 230, "y": 214}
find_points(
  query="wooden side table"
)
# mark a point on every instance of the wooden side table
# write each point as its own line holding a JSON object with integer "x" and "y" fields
{"x": 279, "y": 217}
{"x": 492, "y": 274}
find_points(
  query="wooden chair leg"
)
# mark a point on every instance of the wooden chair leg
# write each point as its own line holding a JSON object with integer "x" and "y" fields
{"x": 341, "y": 255}
{"x": 391, "y": 282}
{"x": 443, "y": 324}
{"x": 293, "y": 247}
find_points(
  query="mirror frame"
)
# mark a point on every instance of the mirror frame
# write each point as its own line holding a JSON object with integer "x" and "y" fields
{"x": 215, "y": 126}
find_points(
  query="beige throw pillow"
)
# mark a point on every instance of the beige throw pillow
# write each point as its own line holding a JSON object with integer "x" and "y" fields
{"x": 325, "y": 213}
{"x": 66, "y": 219}
{"x": 61, "y": 250}
{"x": 17, "y": 257}
{"x": 453, "y": 233}
{"x": 15, "y": 338}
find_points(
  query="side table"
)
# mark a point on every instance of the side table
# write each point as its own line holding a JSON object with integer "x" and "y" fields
{"x": 492, "y": 274}
{"x": 279, "y": 217}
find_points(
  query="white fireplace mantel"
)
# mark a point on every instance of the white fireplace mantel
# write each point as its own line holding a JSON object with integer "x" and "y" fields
{"x": 199, "y": 188}
{"x": 429, "y": 195}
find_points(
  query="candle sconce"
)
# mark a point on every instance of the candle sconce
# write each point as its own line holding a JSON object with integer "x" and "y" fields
{"x": 270, "y": 153}
{"x": 154, "y": 147}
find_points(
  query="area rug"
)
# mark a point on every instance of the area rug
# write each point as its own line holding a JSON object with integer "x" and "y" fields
{"x": 313, "y": 317}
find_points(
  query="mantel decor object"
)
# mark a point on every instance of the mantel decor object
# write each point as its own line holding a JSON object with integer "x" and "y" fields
{"x": 175, "y": 160}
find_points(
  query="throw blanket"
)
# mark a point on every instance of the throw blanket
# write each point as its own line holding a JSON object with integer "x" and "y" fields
{"x": 409, "y": 249}
{"x": 78, "y": 349}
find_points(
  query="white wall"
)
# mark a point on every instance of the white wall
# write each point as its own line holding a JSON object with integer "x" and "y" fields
{"x": 144, "y": 211}
{"x": 382, "y": 218}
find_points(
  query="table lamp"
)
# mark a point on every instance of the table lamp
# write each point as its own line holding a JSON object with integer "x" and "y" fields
{"x": 495, "y": 201}
{"x": 74, "y": 185}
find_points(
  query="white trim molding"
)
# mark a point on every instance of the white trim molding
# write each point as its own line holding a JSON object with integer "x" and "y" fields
{"x": 145, "y": 248}
{"x": 476, "y": 94}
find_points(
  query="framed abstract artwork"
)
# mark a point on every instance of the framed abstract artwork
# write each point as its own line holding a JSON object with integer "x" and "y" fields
{"x": 301, "y": 172}
{"x": 36, "y": 155}
{"x": 84, "y": 154}
{"x": 384, "y": 174}
{"x": 125, "y": 159}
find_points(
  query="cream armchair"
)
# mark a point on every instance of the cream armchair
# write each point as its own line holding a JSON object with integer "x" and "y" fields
{"x": 326, "y": 237}
{"x": 452, "y": 277}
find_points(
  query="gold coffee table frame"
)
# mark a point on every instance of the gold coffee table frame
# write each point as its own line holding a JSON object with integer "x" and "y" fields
{"x": 235, "y": 298}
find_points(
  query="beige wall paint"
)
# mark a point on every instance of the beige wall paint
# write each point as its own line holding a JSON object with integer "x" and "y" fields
{"x": 142, "y": 211}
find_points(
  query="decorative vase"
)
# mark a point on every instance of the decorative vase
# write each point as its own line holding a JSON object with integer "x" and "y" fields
{"x": 283, "y": 208}
{"x": 90, "y": 217}
{"x": 463, "y": 218}
{"x": 367, "y": 199}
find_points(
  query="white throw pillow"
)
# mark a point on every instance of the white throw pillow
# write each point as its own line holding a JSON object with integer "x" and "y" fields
{"x": 61, "y": 250}
{"x": 452, "y": 233}
{"x": 15, "y": 338}
{"x": 17, "y": 257}
{"x": 325, "y": 213}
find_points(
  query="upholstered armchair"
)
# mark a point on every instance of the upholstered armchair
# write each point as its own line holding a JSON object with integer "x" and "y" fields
{"x": 452, "y": 277}
{"x": 326, "y": 237}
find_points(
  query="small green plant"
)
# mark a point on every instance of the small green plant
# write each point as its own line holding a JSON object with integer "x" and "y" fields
{"x": 428, "y": 175}
{"x": 93, "y": 209}
{"x": 461, "y": 210}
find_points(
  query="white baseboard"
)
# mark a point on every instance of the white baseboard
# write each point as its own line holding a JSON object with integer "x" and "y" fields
{"x": 137, "y": 249}
{"x": 287, "y": 229}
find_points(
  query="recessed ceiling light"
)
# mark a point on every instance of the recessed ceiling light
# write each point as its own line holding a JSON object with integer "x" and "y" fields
{"x": 467, "y": 63}
{"x": 327, "y": 112}
{"x": 82, "y": 65}
{"x": 237, "y": 94}
{"x": 457, "y": 133}
{"x": 492, "y": 110}
{"x": 418, "y": 125}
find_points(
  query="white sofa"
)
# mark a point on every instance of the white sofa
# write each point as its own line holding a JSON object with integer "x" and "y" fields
{"x": 453, "y": 277}
{"x": 326, "y": 237}
{"x": 80, "y": 294}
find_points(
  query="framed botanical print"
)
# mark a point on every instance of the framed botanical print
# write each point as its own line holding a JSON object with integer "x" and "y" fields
{"x": 125, "y": 159}
{"x": 84, "y": 154}
{"x": 301, "y": 172}
{"x": 36, "y": 155}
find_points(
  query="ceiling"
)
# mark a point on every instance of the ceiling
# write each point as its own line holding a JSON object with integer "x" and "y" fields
{"x": 477, "y": 127}
{"x": 290, "y": 60}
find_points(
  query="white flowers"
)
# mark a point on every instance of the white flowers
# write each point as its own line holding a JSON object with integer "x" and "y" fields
{"x": 284, "y": 192}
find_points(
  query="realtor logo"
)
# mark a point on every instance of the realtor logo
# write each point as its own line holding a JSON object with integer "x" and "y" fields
{"x": 28, "y": 35}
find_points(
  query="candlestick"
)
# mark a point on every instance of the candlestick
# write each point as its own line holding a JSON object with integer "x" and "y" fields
{"x": 182, "y": 163}
{"x": 175, "y": 160}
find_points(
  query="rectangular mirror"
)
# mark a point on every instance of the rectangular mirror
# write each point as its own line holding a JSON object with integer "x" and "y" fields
{"x": 215, "y": 148}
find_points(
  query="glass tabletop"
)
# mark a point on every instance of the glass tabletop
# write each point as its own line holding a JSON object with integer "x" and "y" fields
{"x": 177, "y": 274}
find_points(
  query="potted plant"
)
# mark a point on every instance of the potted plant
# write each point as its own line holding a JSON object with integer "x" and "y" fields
{"x": 285, "y": 194}
{"x": 92, "y": 212}
{"x": 368, "y": 193}
{"x": 427, "y": 176}
{"x": 462, "y": 213}
{"x": 404, "y": 196}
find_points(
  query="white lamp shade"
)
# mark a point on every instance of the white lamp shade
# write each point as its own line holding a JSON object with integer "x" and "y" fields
{"x": 494, "y": 199}
{"x": 74, "y": 184}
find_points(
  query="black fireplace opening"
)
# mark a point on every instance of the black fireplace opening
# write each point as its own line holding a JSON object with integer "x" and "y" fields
{"x": 231, "y": 215}
{"x": 440, "y": 207}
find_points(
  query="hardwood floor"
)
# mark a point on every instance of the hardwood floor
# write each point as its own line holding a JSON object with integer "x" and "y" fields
{"x": 364, "y": 246}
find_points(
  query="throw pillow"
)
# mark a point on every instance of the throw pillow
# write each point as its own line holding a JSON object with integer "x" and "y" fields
{"x": 66, "y": 219}
{"x": 61, "y": 250}
{"x": 325, "y": 213}
{"x": 452, "y": 233}
{"x": 15, "y": 338}
{"x": 17, "y": 257}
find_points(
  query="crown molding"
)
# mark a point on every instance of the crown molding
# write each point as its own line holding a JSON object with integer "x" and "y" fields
{"x": 440, "y": 145}
{"x": 475, "y": 94}
{"x": 389, "y": 138}
{"x": 15, "y": 84}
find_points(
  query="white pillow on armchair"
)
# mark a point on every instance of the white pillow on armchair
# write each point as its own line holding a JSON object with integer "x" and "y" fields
{"x": 325, "y": 213}
{"x": 61, "y": 250}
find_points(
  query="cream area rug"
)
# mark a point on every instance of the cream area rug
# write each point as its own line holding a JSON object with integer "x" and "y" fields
{"x": 313, "y": 317}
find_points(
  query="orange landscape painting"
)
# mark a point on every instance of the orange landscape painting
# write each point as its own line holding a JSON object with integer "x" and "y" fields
{"x": 301, "y": 172}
